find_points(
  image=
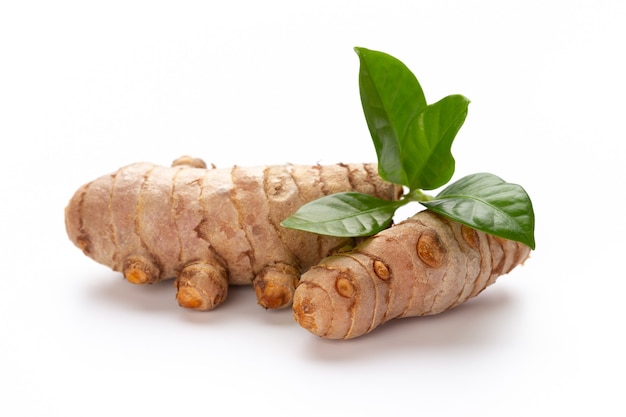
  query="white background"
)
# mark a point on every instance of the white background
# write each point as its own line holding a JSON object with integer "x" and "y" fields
{"x": 86, "y": 87}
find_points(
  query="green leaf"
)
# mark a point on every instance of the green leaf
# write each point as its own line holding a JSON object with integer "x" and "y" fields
{"x": 426, "y": 157}
{"x": 487, "y": 203}
{"x": 347, "y": 214}
{"x": 391, "y": 97}
{"x": 412, "y": 139}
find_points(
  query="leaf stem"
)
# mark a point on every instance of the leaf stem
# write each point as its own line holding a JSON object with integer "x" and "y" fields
{"x": 418, "y": 195}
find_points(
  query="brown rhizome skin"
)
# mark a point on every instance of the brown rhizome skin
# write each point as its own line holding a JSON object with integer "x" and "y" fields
{"x": 422, "y": 266}
{"x": 209, "y": 228}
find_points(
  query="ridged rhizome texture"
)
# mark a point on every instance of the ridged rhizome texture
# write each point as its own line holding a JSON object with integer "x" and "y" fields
{"x": 211, "y": 227}
{"x": 422, "y": 266}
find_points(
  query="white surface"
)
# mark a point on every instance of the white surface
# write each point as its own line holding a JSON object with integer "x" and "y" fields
{"x": 86, "y": 88}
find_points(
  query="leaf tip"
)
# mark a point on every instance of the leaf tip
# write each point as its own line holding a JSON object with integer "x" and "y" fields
{"x": 289, "y": 223}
